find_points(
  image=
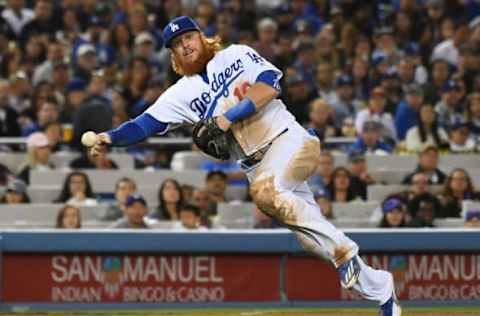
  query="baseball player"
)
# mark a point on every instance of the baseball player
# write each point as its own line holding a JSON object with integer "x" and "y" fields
{"x": 230, "y": 96}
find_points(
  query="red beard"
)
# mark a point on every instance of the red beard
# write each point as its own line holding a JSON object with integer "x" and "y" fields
{"x": 197, "y": 66}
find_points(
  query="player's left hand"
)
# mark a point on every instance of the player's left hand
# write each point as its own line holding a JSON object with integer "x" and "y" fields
{"x": 223, "y": 123}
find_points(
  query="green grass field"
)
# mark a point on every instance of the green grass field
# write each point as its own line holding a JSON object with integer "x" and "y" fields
{"x": 438, "y": 311}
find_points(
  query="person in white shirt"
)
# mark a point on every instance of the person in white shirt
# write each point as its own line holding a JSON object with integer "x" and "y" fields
{"x": 461, "y": 140}
{"x": 375, "y": 112}
{"x": 448, "y": 49}
{"x": 17, "y": 16}
{"x": 427, "y": 132}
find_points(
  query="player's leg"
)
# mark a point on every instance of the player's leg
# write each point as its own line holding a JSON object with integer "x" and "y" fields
{"x": 278, "y": 187}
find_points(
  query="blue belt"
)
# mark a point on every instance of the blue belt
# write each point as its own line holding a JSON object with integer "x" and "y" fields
{"x": 257, "y": 156}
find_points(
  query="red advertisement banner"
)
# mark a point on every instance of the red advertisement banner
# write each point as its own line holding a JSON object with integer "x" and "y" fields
{"x": 417, "y": 277}
{"x": 139, "y": 278}
{"x": 155, "y": 278}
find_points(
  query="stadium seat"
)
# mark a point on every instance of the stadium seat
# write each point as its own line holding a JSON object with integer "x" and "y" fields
{"x": 236, "y": 215}
{"x": 15, "y": 161}
{"x": 356, "y": 210}
{"x": 378, "y": 192}
{"x": 104, "y": 180}
{"x": 449, "y": 222}
{"x": 16, "y": 214}
{"x": 188, "y": 160}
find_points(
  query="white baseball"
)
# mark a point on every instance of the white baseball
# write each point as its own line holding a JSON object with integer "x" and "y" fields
{"x": 89, "y": 139}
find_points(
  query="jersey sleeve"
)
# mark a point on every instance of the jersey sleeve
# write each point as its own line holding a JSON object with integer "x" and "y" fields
{"x": 170, "y": 109}
{"x": 258, "y": 68}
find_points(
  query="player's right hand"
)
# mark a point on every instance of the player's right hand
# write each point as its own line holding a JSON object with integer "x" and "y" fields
{"x": 103, "y": 139}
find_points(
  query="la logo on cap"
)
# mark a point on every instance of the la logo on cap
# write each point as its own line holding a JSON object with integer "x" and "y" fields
{"x": 174, "y": 27}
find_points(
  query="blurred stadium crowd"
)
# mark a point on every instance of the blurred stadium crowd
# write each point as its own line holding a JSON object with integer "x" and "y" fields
{"x": 382, "y": 78}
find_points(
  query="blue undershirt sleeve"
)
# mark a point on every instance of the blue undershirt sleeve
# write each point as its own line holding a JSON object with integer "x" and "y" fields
{"x": 136, "y": 130}
{"x": 269, "y": 77}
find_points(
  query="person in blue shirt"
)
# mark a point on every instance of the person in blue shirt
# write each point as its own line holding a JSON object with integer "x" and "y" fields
{"x": 406, "y": 115}
{"x": 369, "y": 141}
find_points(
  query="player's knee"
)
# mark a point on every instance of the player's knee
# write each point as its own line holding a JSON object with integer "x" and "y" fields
{"x": 263, "y": 193}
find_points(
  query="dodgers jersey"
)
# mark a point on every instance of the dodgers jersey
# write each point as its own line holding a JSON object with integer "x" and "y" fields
{"x": 229, "y": 74}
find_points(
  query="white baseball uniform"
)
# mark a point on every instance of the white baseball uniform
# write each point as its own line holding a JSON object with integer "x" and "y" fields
{"x": 290, "y": 155}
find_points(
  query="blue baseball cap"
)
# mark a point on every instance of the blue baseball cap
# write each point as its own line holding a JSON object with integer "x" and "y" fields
{"x": 451, "y": 85}
{"x": 344, "y": 80}
{"x": 392, "y": 204}
{"x": 471, "y": 214}
{"x": 135, "y": 198}
{"x": 178, "y": 26}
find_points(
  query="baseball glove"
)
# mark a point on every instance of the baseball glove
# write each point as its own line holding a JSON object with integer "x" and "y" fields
{"x": 211, "y": 139}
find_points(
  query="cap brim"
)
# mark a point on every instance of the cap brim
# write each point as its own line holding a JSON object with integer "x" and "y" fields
{"x": 183, "y": 31}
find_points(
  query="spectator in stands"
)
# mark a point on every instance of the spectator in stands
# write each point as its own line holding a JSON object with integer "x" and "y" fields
{"x": 41, "y": 24}
{"x": 346, "y": 105}
{"x": 394, "y": 211}
{"x": 145, "y": 48}
{"x": 461, "y": 140}
{"x": 360, "y": 70}
{"x": 297, "y": 95}
{"x": 325, "y": 78}
{"x": 136, "y": 210}
{"x": 69, "y": 217}
{"x": 100, "y": 162}
{"x": 208, "y": 209}
{"x": 406, "y": 115}
{"x": 55, "y": 56}
{"x": 189, "y": 216}
{"x": 170, "y": 200}
{"x": 5, "y": 174}
{"x": 439, "y": 76}
{"x": 16, "y": 15}
{"x": 423, "y": 210}
{"x": 266, "y": 45}
{"x": 135, "y": 81}
{"x": 428, "y": 164}
{"x": 472, "y": 218}
{"x": 75, "y": 94}
{"x": 340, "y": 188}
{"x": 97, "y": 105}
{"x": 124, "y": 187}
{"x": 48, "y": 112}
{"x": 473, "y": 113}
{"x": 20, "y": 94}
{"x": 348, "y": 128}
{"x": 360, "y": 179}
{"x": 322, "y": 177}
{"x": 419, "y": 185}
{"x": 187, "y": 192}
{"x": 458, "y": 187}
{"x": 376, "y": 112}
{"x": 38, "y": 156}
{"x": 448, "y": 49}
{"x": 369, "y": 142}
{"x": 86, "y": 63}
{"x": 450, "y": 108}
{"x": 216, "y": 184}
{"x": 323, "y": 201}
{"x": 77, "y": 190}
{"x": 16, "y": 192}
{"x": 9, "y": 126}
{"x": 427, "y": 132}
{"x": 54, "y": 134}
{"x": 391, "y": 85}
{"x": 321, "y": 119}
